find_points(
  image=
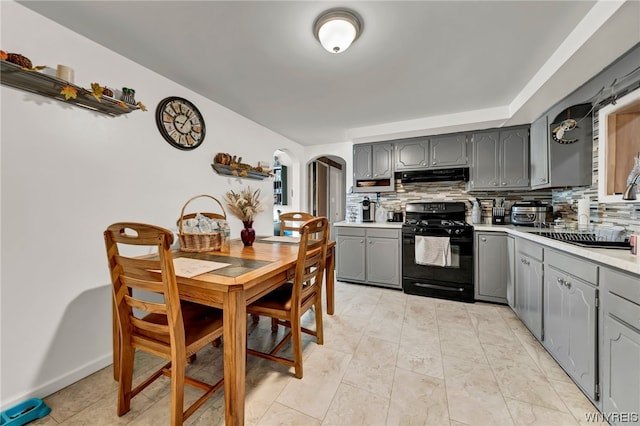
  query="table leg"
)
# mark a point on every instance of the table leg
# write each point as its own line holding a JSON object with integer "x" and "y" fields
{"x": 235, "y": 344}
{"x": 329, "y": 278}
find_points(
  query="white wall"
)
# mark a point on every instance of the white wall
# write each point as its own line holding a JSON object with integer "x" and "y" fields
{"x": 67, "y": 173}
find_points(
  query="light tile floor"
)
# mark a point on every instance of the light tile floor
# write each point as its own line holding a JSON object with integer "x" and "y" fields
{"x": 388, "y": 359}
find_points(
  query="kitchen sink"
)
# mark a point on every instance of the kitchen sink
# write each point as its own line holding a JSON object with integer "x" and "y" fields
{"x": 584, "y": 240}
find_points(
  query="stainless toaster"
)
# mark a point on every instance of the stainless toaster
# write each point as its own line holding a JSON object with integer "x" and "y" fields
{"x": 530, "y": 213}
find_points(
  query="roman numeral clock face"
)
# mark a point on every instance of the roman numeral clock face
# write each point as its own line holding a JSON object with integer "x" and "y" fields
{"x": 180, "y": 123}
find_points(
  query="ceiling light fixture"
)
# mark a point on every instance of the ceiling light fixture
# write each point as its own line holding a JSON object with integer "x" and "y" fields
{"x": 336, "y": 29}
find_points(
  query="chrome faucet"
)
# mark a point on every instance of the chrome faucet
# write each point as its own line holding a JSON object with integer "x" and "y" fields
{"x": 630, "y": 192}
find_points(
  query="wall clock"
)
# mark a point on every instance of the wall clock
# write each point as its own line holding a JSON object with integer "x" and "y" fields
{"x": 180, "y": 123}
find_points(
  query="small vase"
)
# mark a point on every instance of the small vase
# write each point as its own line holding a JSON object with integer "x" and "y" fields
{"x": 248, "y": 234}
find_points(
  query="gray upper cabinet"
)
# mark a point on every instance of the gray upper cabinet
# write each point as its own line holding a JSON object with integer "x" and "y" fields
{"x": 412, "y": 154}
{"x": 540, "y": 153}
{"x": 363, "y": 161}
{"x": 486, "y": 154}
{"x": 566, "y": 161}
{"x": 434, "y": 152}
{"x": 373, "y": 167}
{"x": 500, "y": 159}
{"x": 449, "y": 150}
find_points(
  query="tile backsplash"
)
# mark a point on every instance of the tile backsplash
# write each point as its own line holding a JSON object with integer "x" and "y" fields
{"x": 564, "y": 200}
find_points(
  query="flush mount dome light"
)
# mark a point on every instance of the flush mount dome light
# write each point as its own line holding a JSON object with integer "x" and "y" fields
{"x": 336, "y": 29}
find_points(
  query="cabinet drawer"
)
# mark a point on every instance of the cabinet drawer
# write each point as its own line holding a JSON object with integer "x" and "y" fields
{"x": 624, "y": 285}
{"x": 350, "y": 231}
{"x": 529, "y": 248}
{"x": 383, "y": 233}
{"x": 623, "y": 310}
{"x": 573, "y": 265}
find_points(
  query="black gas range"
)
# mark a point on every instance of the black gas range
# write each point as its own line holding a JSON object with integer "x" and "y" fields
{"x": 437, "y": 251}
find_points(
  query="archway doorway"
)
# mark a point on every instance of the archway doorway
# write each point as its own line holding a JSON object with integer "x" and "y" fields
{"x": 326, "y": 183}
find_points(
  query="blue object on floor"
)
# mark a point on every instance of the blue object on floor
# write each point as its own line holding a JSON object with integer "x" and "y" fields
{"x": 25, "y": 412}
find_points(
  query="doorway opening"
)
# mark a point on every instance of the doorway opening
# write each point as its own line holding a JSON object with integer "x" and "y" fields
{"x": 326, "y": 182}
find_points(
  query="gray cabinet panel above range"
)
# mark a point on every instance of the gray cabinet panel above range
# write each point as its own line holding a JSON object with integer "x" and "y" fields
{"x": 441, "y": 151}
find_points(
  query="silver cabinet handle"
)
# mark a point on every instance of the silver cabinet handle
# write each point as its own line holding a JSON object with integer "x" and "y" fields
{"x": 560, "y": 281}
{"x": 568, "y": 284}
{"x": 483, "y": 239}
{"x": 434, "y": 163}
{"x": 504, "y": 183}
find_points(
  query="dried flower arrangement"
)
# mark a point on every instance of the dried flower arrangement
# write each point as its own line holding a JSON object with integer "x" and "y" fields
{"x": 245, "y": 204}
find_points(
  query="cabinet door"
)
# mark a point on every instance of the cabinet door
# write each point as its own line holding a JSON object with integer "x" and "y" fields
{"x": 449, "y": 151}
{"x": 362, "y": 160}
{"x": 514, "y": 158}
{"x": 556, "y": 339}
{"x": 383, "y": 261}
{"x": 529, "y": 293}
{"x": 350, "y": 258}
{"x": 411, "y": 155}
{"x": 511, "y": 271}
{"x": 621, "y": 364}
{"x": 491, "y": 267}
{"x": 486, "y": 150}
{"x": 581, "y": 324}
{"x": 539, "y": 152}
{"x": 382, "y": 160}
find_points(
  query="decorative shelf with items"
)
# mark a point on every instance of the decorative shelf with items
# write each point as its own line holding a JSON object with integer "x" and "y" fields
{"x": 228, "y": 165}
{"x": 34, "y": 81}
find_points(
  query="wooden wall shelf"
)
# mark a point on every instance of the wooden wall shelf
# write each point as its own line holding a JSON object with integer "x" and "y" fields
{"x": 13, "y": 75}
{"x": 225, "y": 170}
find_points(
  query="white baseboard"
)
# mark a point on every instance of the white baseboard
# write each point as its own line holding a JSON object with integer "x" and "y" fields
{"x": 60, "y": 382}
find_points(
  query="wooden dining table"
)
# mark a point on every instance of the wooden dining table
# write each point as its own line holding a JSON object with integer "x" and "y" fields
{"x": 253, "y": 272}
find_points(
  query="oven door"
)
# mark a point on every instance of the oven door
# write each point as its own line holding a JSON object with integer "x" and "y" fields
{"x": 454, "y": 281}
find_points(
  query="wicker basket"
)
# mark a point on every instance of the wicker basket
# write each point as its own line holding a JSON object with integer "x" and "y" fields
{"x": 192, "y": 242}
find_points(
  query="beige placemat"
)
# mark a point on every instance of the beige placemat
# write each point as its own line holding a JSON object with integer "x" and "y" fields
{"x": 282, "y": 239}
{"x": 188, "y": 268}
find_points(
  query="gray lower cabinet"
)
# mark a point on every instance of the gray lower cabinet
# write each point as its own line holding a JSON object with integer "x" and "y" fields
{"x": 491, "y": 266}
{"x": 528, "y": 288}
{"x": 368, "y": 255}
{"x": 500, "y": 159}
{"x": 570, "y": 317}
{"x": 620, "y": 351}
{"x": 511, "y": 271}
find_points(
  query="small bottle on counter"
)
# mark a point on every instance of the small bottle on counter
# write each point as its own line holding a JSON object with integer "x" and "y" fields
{"x": 633, "y": 241}
{"x": 225, "y": 234}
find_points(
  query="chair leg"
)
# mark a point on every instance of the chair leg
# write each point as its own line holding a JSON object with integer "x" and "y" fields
{"x": 296, "y": 335}
{"x": 125, "y": 379}
{"x": 177, "y": 392}
{"x": 318, "y": 314}
{"x": 274, "y": 325}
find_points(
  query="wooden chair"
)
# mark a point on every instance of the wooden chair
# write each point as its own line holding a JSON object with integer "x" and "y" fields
{"x": 292, "y": 221}
{"x": 290, "y": 301}
{"x": 168, "y": 328}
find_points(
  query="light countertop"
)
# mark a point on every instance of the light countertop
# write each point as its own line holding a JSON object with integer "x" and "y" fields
{"x": 622, "y": 259}
{"x": 387, "y": 225}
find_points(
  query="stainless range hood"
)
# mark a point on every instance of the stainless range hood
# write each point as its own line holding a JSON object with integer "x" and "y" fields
{"x": 437, "y": 175}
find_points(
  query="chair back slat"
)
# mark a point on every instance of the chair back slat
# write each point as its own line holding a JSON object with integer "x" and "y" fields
{"x": 312, "y": 254}
{"x": 292, "y": 221}
{"x": 146, "y": 285}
